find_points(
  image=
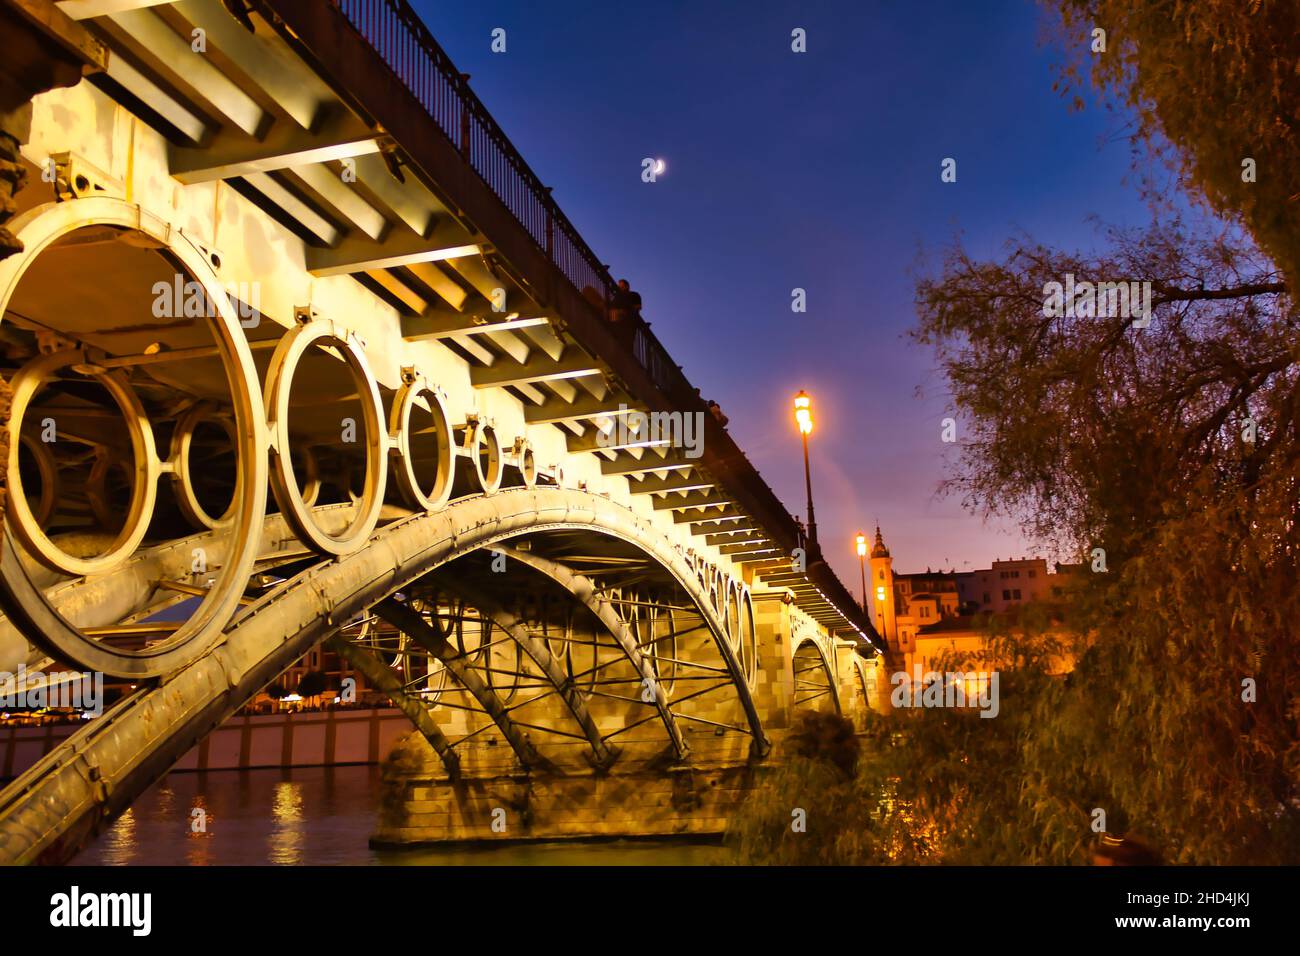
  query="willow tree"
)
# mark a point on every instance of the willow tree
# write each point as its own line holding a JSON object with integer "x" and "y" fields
{"x": 1164, "y": 449}
{"x": 1174, "y": 449}
{"x": 1212, "y": 88}
{"x": 1162, "y": 446}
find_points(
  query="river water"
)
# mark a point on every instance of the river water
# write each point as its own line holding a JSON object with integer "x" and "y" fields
{"x": 317, "y": 816}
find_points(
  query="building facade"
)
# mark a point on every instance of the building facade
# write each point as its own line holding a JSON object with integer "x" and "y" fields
{"x": 924, "y": 615}
{"x": 1006, "y": 585}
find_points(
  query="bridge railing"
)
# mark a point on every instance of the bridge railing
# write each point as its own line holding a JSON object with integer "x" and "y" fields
{"x": 399, "y": 36}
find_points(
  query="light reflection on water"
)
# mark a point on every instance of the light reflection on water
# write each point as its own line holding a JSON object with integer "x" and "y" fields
{"x": 286, "y": 843}
{"x": 315, "y": 816}
{"x": 119, "y": 842}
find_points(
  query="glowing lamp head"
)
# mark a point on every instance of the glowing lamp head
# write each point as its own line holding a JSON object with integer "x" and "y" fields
{"x": 862, "y": 545}
{"x": 803, "y": 412}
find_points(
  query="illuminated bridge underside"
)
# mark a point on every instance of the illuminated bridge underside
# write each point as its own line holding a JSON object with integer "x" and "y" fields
{"x": 298, "y": 349}
{"x": 105, "y": 765}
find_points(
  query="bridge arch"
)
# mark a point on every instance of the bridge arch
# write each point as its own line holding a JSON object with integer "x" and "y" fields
{"x": 139, "y": 738}
{"x": 199, "y": 584}
{"x": 748, "y": 638}
{"x": 814, "y": 674}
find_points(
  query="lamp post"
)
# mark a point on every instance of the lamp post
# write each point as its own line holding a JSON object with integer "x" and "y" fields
{"x": 803, "y": 416}
{"x": 862, "y": 564}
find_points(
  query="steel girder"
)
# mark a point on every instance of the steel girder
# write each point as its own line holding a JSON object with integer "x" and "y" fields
{"x": 602, "y": 754}
{"x": 585, "y": 590}
{"x": 414, "y": 626}
{"x": 380, "y": 676}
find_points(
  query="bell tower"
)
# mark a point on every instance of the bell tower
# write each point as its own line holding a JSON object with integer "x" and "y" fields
{"x": 882, "y": 591}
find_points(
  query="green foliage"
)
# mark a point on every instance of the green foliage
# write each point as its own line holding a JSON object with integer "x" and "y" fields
{"x": 1152, "y": 725}
{"x": 1199, "y": 523}
{"x": 1160, "y": 724}
{"x": 1087, "y": 427}
{"x": 931, "y": 785}
{"x": 820, "y": 736}
{"x": 843, "y": 813}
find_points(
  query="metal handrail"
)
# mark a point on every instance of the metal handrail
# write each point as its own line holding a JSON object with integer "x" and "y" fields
{"x": 400, "y": 37}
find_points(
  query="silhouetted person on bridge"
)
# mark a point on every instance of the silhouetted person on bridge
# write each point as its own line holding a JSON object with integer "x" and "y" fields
{"x": 625, "y": 311}
{"x": 621, "y": 305}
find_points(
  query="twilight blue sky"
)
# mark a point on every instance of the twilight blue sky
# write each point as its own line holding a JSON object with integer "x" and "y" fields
{"x": 818, "y": 170}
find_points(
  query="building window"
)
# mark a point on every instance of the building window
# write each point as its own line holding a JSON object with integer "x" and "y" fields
{"x": 1032, "y": 573}
{"x": 986, "y": 597}
{"x": 1006, "y": 595}
{"x": 1016, "y": 594}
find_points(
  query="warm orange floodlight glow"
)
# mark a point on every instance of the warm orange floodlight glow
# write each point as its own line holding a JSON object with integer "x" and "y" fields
{"x": 803, "y": 412}
{"x": 862, "y": 545}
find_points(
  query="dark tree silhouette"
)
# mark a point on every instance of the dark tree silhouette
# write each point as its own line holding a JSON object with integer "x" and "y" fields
{"x": 312, "y": 684}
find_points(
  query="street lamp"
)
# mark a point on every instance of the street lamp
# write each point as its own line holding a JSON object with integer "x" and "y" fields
{"x": 803, "y": 416}
{"x": 862, "y": 564}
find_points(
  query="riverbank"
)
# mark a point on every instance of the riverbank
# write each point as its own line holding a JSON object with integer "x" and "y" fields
{"x": 335, "y": 736}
